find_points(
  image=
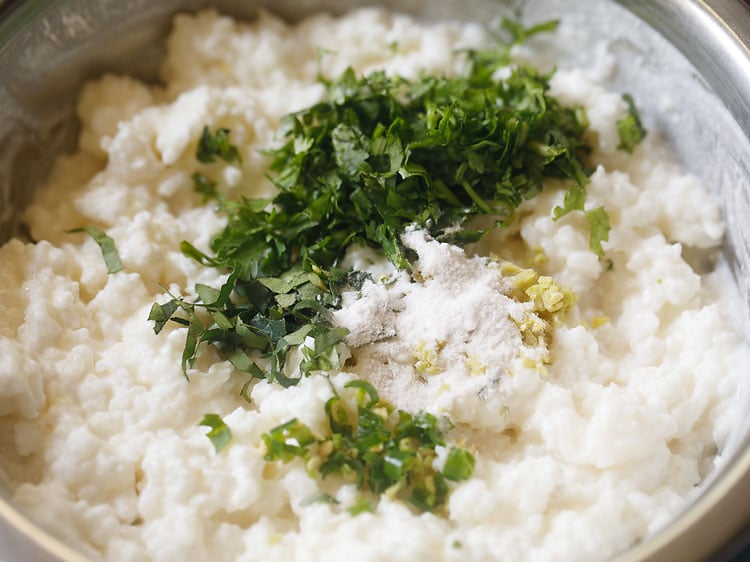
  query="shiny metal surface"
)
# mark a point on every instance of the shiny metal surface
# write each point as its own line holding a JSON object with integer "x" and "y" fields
{"x": 48, "y": 48}
{"x": 715, "y": 37}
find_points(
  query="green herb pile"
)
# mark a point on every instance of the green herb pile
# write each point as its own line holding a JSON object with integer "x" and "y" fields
{"x": 383, "y": 451}
{"x": 379, "y": 154}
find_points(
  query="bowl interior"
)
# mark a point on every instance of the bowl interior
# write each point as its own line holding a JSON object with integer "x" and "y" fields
{"x": 689, "y": 74}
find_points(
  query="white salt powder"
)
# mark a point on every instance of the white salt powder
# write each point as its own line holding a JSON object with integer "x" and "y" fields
{"x": 444, "y": 342}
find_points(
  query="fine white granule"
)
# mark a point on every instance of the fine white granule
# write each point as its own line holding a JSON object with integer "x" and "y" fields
{"x": 444, "y": 344}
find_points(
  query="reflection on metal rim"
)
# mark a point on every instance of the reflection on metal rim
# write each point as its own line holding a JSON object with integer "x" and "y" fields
{"x": 715, "y": 37}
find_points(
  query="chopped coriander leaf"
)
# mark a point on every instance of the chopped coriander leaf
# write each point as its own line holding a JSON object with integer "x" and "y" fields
{"x": 211, "y": 146}
{"x": 520, "y": 34}
{"x": 574, "y": 201}
{"x": 598, "y": 220}
{"x": 107, "y": 246}
{"x": 220, "y": 434}
{"x": 383, "y": 153}
{"x": 629, "y": 127}
{"x": 382, "y": 450}
{"x": 320, "y": 497}
{"x": 204, "y": 186}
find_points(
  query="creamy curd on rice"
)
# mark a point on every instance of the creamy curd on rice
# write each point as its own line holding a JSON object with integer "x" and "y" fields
{"x": 575, "y": 460}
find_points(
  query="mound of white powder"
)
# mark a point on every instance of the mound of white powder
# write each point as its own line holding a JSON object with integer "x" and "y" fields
{"x": 447, "y": 344}
{"x": 584, "y": 441}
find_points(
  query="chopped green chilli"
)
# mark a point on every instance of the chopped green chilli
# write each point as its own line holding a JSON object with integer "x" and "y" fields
{"x": 459, "y": 465}
{"x": 220, "y": 434}
{"x": 382, "y": 450}
{"x": 107, "y": 245}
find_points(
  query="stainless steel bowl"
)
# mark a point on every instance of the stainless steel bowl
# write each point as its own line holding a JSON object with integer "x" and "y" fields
{"x": 695, "y": 52}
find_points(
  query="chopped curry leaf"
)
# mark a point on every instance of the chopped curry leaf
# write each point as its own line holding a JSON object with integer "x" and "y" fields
{"x": 219, "y": 434}
{"x": 107, "y": 246}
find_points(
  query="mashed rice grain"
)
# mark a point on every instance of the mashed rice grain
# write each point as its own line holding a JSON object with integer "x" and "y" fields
{"x": 576, "y": 460}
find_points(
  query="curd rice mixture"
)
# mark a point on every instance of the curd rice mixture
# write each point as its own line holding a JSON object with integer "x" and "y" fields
{"x": 584, "y": 442}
